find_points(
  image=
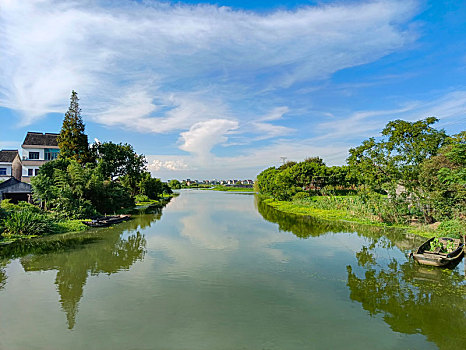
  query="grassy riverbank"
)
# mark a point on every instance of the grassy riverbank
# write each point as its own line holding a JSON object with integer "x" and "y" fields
{"x": 345, "y": 209}
{"x": 143, "y": 201}
{"x": 231, "y": 189}
{"x": 25, "y": 221}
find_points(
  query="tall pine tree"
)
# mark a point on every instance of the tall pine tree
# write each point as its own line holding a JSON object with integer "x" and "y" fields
{"x": 72, "y": 140}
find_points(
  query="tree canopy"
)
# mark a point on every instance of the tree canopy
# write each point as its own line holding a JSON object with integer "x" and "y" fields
{"x": 72, "y": 139}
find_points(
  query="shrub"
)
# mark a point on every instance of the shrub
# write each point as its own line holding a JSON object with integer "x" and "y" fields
{"x": 27, "y": 223}
{"x": 142, "y": 198}
{"x": 71, "y": 226}
{"x": 300, "y": 196}
{"x": 452, "y": 228}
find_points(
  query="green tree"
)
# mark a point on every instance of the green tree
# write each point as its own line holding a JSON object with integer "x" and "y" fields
{"x": 115, "y": 160}
{"x": 120, "y": 161}
{"x": 151, "y": 187}
{"x": 73, "y": 190}
{"x": 443, "y": 179}
{"x": 72, "y": 140}
{"x": 397, "y": 157}
{"x": 166, "y": 189}
{"x": 175, "y": 184}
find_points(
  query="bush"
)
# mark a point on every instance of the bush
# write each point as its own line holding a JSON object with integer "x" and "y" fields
{"x": 142, "y": 198}
{"x": 27, "y": 223}
{"x": 8, "y": 207}
{"x": 71, "y": 226}
{"x": 452, "y": 228}
{"x": 300, "y": 196}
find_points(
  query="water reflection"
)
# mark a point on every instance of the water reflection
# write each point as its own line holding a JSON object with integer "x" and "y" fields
{"x": 308, "y": 226}
{"x": 77, "y": 255}
{"x": 412, "y": 298}
{"x": 3, "y": 275}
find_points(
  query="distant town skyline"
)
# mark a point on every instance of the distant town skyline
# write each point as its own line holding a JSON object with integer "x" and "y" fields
{"x": 224, "y": 89}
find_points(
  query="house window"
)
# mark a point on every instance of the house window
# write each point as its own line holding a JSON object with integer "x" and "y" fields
{"x": 36, "y": 171}
{"x": 51, "y": 153}
{"x": 33, "y": 155}
{"x": 30, "y": 172}
{"x": 2, "y": 171}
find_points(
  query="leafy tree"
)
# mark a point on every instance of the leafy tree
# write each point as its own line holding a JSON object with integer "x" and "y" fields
{"x": 286, "y": 165}
{"x": 166, "y": 189}
{"x": 397, "y": 157}
{"x": 73, "y": 190}
{"x": 151, "y": 187}
{"x": 115, "y": 160}
{"x": 120, "y": 161}
{"x": 265, "y": 183}
{"x": 72, "y": 140}
{"x": 455, "y": 152}
{"x": 316, "y": 160}
{"x": 443, "y": 179}
{"x": 175, "y": 184}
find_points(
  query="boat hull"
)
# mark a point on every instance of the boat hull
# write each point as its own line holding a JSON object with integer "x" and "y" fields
{"x": 425, "y": 257}
{"x": 107, "y": 221}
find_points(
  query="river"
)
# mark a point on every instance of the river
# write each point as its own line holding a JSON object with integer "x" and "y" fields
{"x": 216, "y": 270}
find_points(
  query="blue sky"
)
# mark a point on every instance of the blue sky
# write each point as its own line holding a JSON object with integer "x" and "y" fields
{"x": 223, "y": 89}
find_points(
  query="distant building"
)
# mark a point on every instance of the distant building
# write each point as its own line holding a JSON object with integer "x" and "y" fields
{"x": 37, "y": 149}
{"x": 10, "y": 164}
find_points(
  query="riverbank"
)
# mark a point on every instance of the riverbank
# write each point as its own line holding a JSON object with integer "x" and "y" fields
{"x": 26, "y": 221}
{"x": 230, "y": 189}
{"x": 161, "y": 202}
{"x": 445, "y": 229}
{"x": 58, "y": 227}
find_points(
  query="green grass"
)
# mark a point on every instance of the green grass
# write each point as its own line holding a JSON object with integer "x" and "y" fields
{"x": 231, "y": 189}
{"x": 155, "y": 202}
{"x": 451, "y": 228}
{"x": 71, "y": 226}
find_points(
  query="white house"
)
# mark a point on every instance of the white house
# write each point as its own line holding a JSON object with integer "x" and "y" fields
{"x": 10, "y": 165}
{"x": 37, "y": 149}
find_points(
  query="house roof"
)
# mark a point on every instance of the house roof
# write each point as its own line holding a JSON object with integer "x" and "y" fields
{"x": 8, "y": 155}
{"x": 40, "y": 139}
{"x": 13, "y": 185}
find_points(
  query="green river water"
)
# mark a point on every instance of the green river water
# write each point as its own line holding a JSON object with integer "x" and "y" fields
{"x": 217, "y": 270}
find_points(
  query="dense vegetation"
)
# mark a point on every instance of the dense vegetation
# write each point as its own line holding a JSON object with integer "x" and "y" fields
{"x": 27, "y": 220}
{"x": 85, "y": 181}
{"x": 412, "y": 174}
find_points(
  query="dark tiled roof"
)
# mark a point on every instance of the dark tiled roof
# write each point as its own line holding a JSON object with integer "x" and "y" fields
{"x": 39, "y": 139}
{"x": 10, "y": 182}
{"x": 15, "y": 186}
{"x": 8, "y": 155}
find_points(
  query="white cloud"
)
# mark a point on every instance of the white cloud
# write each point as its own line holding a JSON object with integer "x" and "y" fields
{"x": 204, "y": 71}
{"x": 203, "y": 136}
{"x": 268, "y": 130}
{"x": 338, "y": 135}
{"x": 138, "y": 61}
{"x": 449, "y": 109}
{"x": 172, "y": 165}
{"x": 248, "y": 164}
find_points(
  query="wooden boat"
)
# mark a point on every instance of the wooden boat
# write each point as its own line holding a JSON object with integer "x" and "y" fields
{"x": 105, "y": 221}
{"x": 440, "y": 257}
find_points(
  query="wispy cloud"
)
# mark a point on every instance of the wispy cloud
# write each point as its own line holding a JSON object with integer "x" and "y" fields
{"x": 212, "y": 74}
{"x": 449, "y": 108}
{"x": 109, "y": 50}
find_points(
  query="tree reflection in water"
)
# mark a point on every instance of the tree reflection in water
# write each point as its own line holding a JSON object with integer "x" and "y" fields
{"x": 412, "y": 299}
{"x": 77, "y": 255}
{"x": 307, "y": 226}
